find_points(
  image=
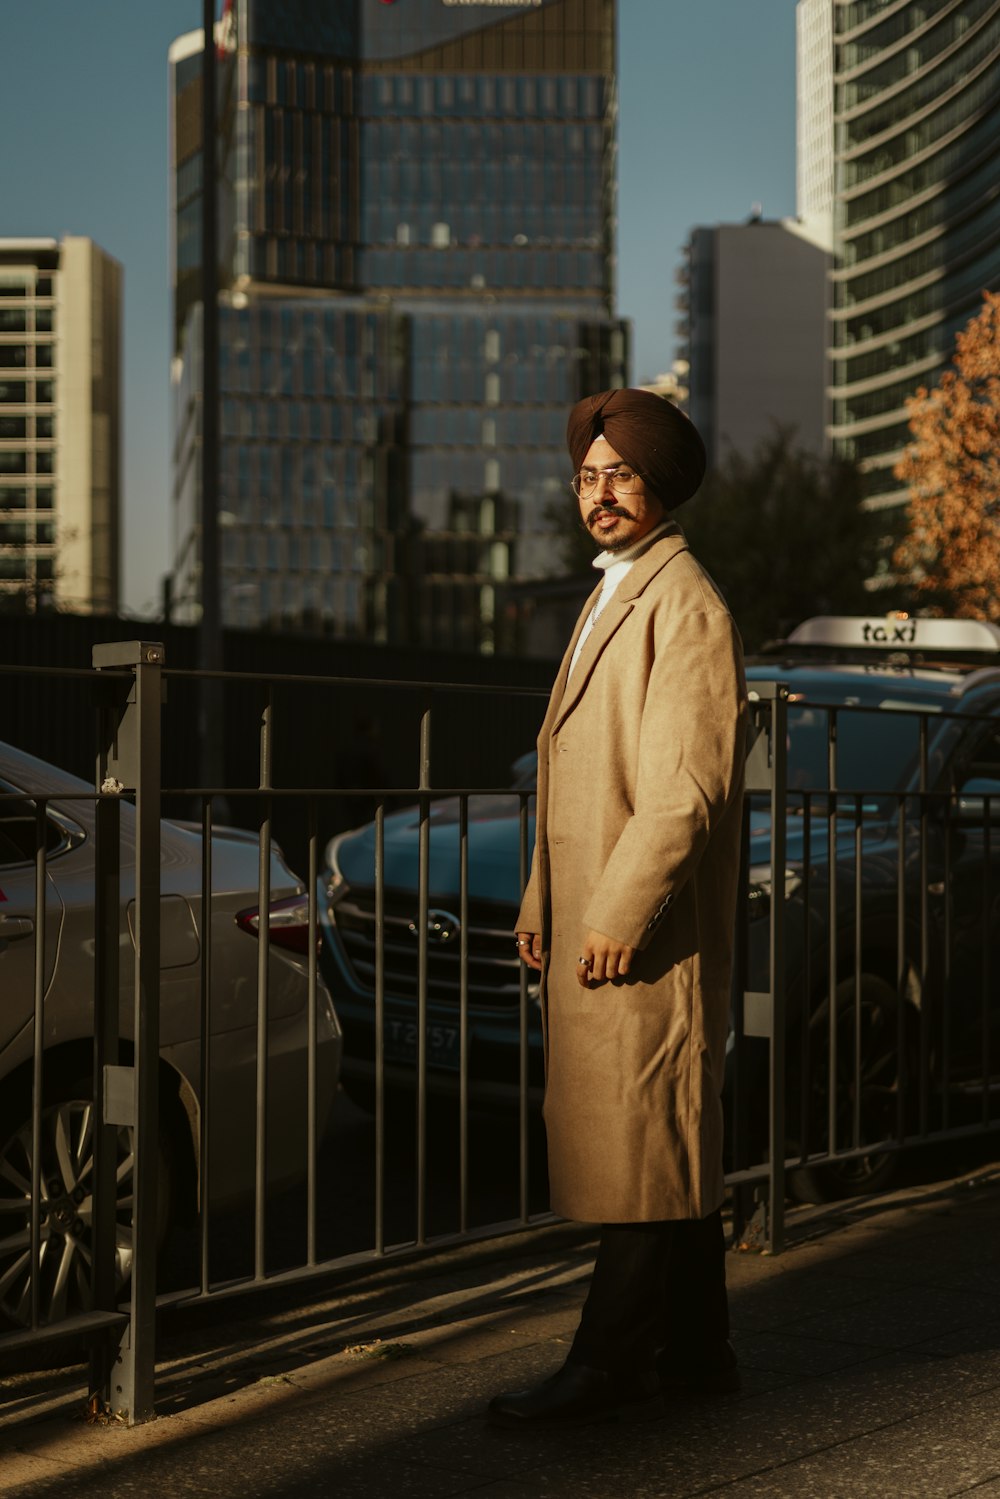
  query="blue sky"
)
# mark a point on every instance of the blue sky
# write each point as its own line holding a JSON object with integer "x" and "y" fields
{"x": 706, "y": 129}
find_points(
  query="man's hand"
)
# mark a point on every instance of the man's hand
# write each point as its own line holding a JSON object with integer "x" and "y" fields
{"x": 529, "y": 949}
{"x": 604, "y": 958}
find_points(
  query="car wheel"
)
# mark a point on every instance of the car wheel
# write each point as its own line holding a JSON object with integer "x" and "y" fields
{"x": 67, "y": 1168}
{"x": 879, "y": 1076}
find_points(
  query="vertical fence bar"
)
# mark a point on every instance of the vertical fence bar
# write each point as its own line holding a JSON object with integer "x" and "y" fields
{"x": 831, "y": 860}
{"x": 739, "y": 1096}
{"x": 463, "y": 1014}
{"x": 145, "y": 1212}
{"x": 779, "y": 815}
{"x": 922, "y": 863}
{"x": 522, "y": 1056}
{"x": 380, "y": 1028}
{"x": 805, "y": 1029}
{"x": 312, "y": 1007}
{"x": 263, "y": 990}
{"x": 902, "y": 972}
{"x": 423, "y": 920}
{"x": 205, "y": 1133}
{"x": 107, "y": 924}
{"x": 37, "y": 1096}
{"x": 946, "y": 967}
{"x": 987, "y": 911}
{"x": 858, "y": 910}
{"x": 130, "y": 756}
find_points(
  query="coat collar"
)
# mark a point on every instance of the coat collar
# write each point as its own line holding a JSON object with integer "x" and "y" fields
{"x": 566, "y": 694}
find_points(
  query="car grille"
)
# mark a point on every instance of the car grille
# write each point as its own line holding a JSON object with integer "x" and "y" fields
{"x": 494, "y": 969}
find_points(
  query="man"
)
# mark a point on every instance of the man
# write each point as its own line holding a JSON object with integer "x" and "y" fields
{"x": 629, "y": 915}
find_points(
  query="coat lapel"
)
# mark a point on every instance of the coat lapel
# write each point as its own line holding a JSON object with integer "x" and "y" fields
{"x": 567, "y": 694}
{"x": 562, "y": 675}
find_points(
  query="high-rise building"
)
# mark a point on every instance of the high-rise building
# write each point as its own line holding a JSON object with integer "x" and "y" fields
{"x": 814, "y": 173}
{"x": 753, "y": 332}
{"x": 917, "y": 103}
{"x": 418, "y": 218}
{"x": 60, "y": 403}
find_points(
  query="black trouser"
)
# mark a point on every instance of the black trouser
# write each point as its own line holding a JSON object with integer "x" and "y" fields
{"x": 655, "y": 1286}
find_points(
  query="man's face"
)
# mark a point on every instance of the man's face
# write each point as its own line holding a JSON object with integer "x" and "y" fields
{"x": 616, "y": 521}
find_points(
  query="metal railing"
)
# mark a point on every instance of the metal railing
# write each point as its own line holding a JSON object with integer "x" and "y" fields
{"x": 216, "y": 1078}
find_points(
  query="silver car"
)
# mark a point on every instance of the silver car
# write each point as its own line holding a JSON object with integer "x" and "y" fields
{"x": 67, "y": 1117}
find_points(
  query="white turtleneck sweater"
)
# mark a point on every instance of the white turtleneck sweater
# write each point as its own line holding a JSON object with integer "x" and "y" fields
{"x": 614, "y": 565}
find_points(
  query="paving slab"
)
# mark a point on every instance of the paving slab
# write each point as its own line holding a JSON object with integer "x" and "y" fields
{"x": 870, "y": 1351}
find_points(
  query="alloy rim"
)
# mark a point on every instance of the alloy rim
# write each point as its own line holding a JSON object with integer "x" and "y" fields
{"x": 65, "y": 1260}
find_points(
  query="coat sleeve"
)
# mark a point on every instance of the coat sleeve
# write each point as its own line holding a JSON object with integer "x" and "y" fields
{"x": 529, "y": 918}
{"x": 691, "y": 751}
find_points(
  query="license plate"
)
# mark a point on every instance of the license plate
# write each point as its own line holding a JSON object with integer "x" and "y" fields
{"x": 442, "y": 1044}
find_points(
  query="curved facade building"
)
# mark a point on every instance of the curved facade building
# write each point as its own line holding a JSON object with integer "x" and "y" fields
{"x": 917, "y": 119}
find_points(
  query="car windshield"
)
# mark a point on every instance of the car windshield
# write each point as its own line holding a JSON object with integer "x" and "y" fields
{"x": 862, "y": 726}
{"x": 876, "y": 751}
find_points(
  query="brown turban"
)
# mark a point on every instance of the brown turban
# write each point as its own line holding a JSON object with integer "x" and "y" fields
{"x": 649, "y": 432}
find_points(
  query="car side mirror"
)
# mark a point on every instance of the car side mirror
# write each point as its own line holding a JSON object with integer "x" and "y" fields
{"x": 972, "y": 798}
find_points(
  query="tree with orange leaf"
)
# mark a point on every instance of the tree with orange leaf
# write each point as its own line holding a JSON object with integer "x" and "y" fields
{"x": 951, "y": 552}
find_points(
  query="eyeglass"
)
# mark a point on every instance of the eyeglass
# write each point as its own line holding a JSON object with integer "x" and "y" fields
{"x": 620, "y": 479}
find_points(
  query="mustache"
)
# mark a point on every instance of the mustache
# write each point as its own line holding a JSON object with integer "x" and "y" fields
{"x": 609, "y": 510}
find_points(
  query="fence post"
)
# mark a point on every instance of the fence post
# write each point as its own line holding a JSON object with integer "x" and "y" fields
{"x": 129, "y": 760}
{"x": 764, "y": 1014}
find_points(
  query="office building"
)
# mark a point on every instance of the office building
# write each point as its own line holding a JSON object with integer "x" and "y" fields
{"x": 917, "y": 103}
{"x": 753, "y": 332}
{"x": 60, "y": 405}
{"x": 418, "y": 219}
{"x": 814, "y": 155}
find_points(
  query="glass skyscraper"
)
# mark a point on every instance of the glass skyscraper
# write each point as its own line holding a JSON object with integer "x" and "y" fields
{"x": 917, "y": 111}
{"x": 418, "y": 216}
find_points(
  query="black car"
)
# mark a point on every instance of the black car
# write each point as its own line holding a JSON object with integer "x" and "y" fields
{"x": 893, "y": 761}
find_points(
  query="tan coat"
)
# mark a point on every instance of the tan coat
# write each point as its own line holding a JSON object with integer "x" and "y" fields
{"x": 640, "y": 777}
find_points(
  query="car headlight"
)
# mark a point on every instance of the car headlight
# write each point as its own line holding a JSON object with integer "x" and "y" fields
{"x": 760, "y": 888}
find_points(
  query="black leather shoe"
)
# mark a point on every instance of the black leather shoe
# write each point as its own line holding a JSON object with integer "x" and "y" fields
{"x": 574, "y": 1395}
{"x": 712, "y": 1371}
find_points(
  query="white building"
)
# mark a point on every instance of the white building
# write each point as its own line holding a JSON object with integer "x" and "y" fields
{"x": 60, "y": 438}
{"x": 814, "y": 143}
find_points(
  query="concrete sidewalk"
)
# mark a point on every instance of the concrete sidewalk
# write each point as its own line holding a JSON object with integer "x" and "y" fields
{"x": 870, "y": 1354}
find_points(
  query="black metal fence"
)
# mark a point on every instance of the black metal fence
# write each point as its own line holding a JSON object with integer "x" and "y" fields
{"x": 185, "y": 1004}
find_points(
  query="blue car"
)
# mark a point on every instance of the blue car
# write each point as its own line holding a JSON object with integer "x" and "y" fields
{"x": 874, "y": 700}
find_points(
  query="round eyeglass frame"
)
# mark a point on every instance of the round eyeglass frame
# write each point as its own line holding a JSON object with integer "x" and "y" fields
{"x": 609, "y": 475}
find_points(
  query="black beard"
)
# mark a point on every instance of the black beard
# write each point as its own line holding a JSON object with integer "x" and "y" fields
{"x": 608, "y": 544}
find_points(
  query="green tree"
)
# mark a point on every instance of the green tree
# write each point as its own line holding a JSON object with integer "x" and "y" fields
{"x": 784, "y": 535}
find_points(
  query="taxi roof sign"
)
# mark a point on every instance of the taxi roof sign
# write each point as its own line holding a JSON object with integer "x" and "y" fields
{"x": 899, "y": 633}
